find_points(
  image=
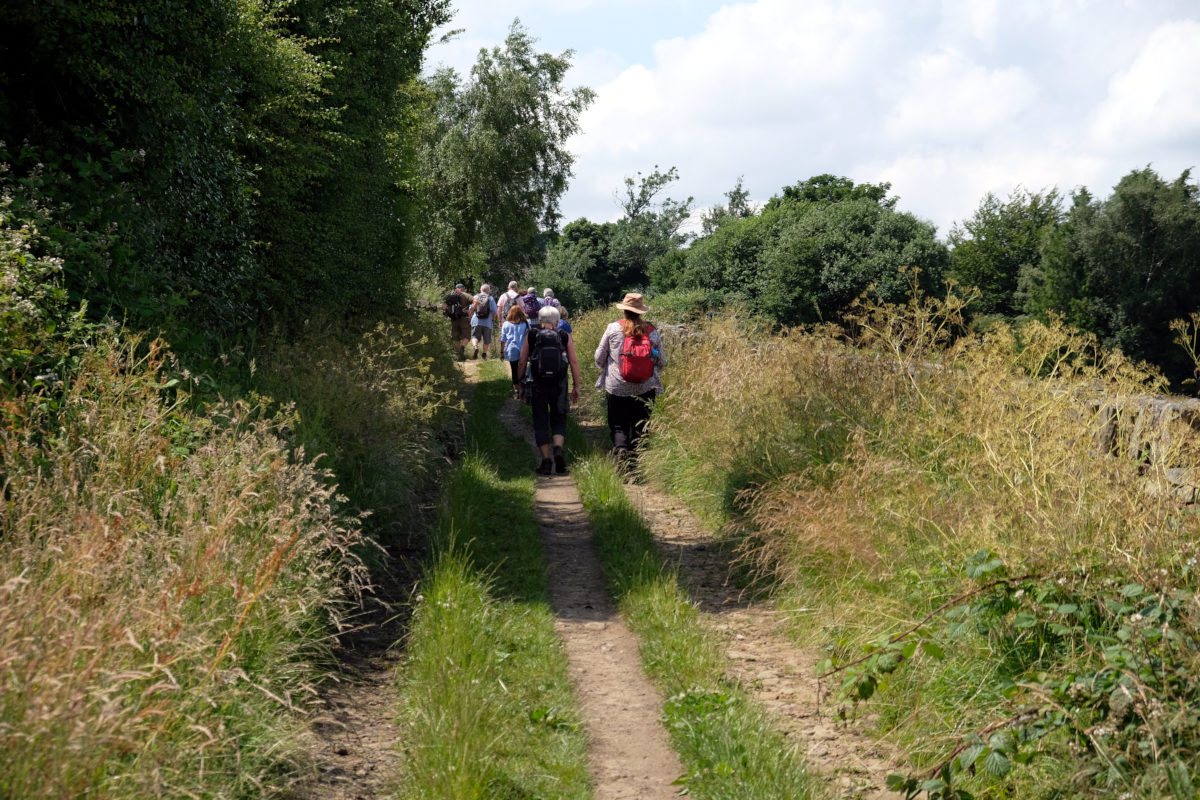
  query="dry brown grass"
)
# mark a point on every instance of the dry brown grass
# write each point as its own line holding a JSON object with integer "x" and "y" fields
{"x": 913, "y": 442}
{"x": 164, "y": 581}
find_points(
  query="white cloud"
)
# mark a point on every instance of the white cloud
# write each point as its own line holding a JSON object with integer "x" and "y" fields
{"x": 945, "y": 99}
{"x": 1157, "y": 98}
{"x": 948, "y": 98}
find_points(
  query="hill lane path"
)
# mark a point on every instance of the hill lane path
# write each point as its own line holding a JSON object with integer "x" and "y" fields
{"x": 629, "y": 754}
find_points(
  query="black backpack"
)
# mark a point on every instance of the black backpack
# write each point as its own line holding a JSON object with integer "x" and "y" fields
{"x": 454, "y": 306}
{"x": 548, "y": 357}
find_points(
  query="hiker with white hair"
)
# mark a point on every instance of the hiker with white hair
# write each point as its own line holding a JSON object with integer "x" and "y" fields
{"x": 529, "y": 301}
{"x": 547, "y": 357}
{"x": 483, "y": 311}
{"x": 548, "y": 298}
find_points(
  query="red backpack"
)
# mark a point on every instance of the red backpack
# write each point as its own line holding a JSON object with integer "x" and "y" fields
{"x": 637, "y": 358}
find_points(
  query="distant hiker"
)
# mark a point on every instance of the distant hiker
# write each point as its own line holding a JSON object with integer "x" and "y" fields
{"x": 563, "y": 325}
{"x": 483, "y": 311}
{"x": 547, "y": 356}
{"x": 629, "y": 356}
{"x": 531, "y": 304}
{"x": 513, "y": 333}
{"x": 548, "y": 298}
{"x": 457, "y": 309}
{"x": 504, "y": 301}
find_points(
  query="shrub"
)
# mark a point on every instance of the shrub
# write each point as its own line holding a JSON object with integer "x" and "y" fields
{"x": 165, "y": 581}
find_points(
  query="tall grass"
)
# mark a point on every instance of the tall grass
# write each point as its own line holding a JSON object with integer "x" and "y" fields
{"x": 865, "y": 469}
{"x": 166, "y": 580}
{"x": 372, "y": 400}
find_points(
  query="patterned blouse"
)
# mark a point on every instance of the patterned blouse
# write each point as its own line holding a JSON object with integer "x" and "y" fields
{"x": 608, "y": 359}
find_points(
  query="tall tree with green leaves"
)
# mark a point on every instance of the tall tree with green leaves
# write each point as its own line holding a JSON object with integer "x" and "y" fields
{"x": 494, "y": 160}
{"x": 1126, "y": 266}
{"x": 1001, "y": 241}
{"x": 650, "y": 228}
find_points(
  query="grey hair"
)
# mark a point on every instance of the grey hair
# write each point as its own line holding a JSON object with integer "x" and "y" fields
{"x": 512, "y": 284}
{"x": 485, "y": 288}
{"x": 548, "y": 314}
{"x": 547, "y": 292}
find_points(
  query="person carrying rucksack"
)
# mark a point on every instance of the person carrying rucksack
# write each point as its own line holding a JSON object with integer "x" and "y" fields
{"x": 483, "y": 311}
{"x": 531, "y": 304}
{"x": 505, "y": 300}
{"x": 629, "y": 356}
{"x": 457, "y": 309}
{"x": 547, "y": 357}
{"x": 513, "y": 333}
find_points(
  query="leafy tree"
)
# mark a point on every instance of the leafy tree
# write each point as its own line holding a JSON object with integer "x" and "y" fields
{"x": 738, "y": 207}
{"x": 829, "y": 254}
{"x": 1125, "y": 267}
{"x": 217, "y": 162}
{"x": 812, "y": 251}
{"x": 494, "y": 160}
{"x": 1001, "y": 241}
{"x": 650, "y": 228}
{"x": 833, "y": 189}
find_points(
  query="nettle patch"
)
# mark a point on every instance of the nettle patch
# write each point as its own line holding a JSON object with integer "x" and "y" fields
{"x": 1106, "y": 664}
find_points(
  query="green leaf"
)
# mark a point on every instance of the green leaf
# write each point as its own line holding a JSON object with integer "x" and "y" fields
{"x": 909, "y": 649}
{"x": 1132, "y": 590}
{"x": 969, "y": 756}
{"x": 1067, "y": 608}
{"x": 1024, "y": 620}
{"x": 997, "y": 764}
{"x": 932, "y": 649}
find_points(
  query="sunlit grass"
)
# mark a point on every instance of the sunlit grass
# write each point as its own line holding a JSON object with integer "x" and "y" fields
{"x": 725, "y": 740}
{"x": 485, "y": 699}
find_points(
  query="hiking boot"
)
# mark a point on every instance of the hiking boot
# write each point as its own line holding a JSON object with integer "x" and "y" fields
{"x": 560, "y": 462}
{"x": 545, "y": 468}
{"x": 475, "y": 354}
{"x": 485, "y": 355}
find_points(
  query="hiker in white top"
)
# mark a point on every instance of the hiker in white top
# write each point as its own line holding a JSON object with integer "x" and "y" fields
{"x": 630, "y": 355}
{"x": 504, "y": 301}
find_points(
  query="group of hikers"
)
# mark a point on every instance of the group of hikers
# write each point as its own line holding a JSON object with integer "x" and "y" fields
{"x": 535, "y": 339}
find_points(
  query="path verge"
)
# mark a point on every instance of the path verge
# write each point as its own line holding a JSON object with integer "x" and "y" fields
{"x": 629, "y": 752}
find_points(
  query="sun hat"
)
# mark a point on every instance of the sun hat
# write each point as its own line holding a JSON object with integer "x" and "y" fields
{"x": 633, "y": 302}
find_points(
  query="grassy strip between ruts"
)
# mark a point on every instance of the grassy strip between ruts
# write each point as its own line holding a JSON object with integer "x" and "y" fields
{"x": 726, "y": 742}
{"x": 485, "y": 697}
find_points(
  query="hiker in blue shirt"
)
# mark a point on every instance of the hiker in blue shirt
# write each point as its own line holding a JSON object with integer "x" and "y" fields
{"x": 512, "y": 338}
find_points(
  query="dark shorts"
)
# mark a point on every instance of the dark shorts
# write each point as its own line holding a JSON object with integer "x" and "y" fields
{"x": 483, "y": 333}
{"x": 460, "y": 329}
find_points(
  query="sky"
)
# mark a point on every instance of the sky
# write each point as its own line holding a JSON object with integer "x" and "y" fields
{"x": 946, "y": 100}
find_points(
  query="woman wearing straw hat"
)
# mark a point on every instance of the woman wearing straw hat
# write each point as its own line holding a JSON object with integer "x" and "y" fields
{"x": 629, "y": 356}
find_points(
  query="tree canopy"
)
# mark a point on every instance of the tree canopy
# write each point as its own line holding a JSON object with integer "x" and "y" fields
{"x": 494, "y": 159}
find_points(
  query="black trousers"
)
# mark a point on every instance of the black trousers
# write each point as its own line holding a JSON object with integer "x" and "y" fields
{"x": 549, "y": 406}
{"x": 627, "y": 418}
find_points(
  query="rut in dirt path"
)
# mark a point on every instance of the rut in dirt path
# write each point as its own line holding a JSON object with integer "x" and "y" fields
{"x": 761, "y": 656}
{"x": 629, "y": 755}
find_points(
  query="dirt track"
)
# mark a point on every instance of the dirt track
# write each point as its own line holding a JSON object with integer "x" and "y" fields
{"x": 354, "y": 742}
